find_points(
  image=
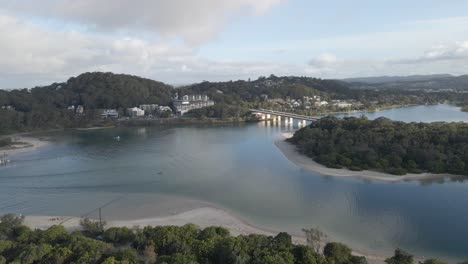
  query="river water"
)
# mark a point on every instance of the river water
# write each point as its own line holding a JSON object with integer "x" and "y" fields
{"x": 164, "y": 170}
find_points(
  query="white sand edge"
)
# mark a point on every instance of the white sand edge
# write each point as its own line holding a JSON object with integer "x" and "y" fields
{"x": 202, "y": 217}
{"x": 290, "y": 152}
{"x": 23, "y": 144}
{"x": 93, "y": 128}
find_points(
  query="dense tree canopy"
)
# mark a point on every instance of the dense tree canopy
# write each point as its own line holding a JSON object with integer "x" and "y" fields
{"x": 386, "y": 145}
{"x": 46, "y": 107}
{"x": 165, "y": 244}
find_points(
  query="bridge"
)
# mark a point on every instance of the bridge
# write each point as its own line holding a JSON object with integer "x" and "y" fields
{"x": 266, "y": 114}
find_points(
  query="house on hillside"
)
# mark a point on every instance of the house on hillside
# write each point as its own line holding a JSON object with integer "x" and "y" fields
{"x": 109, "y": 113}
{"x": 189, "y": 102}
{"x": 162, "y": 109}
{"x": 149, "y": 108}
{"x": 79, "y": 110}
{"x": 320, "y": 103}
{"x": 8, "y": 107}
{"x": 135, "y": 112}
{"x": 341, "y": 104}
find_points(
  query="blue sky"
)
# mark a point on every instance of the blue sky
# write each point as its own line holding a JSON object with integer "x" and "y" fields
{"x": 182, "y": 41}
{"x": 291, "y": 28}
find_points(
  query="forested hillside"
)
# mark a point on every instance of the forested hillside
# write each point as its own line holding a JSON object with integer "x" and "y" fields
{"x": 424, "y": 82}
{"x": 274, "y": 87}
{"x": 244, "y": 94}
{"x": 386, "y": 145}
{"x": 46, "y": 107}
{"x": 234, "y": 98}
{"x": 95, "y": 90}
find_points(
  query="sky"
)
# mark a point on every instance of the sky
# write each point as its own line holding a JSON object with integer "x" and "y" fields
{"x": 187, "y": 41}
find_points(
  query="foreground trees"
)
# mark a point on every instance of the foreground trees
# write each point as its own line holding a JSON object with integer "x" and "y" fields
{"x": 168, "y": 244}
{"x": 386, "y": 145}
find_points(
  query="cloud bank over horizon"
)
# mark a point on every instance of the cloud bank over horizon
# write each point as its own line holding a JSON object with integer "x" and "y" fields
{"x": 182, "y": 41}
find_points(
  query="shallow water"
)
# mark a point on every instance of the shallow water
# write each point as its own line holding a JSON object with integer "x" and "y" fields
{"x": 160, "y": 171}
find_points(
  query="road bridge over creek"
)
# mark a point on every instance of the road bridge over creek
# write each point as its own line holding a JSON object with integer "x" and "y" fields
{"x": 266, "y": 114}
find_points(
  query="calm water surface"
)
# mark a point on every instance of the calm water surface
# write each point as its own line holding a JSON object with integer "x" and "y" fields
{"x": 159, "y": 171}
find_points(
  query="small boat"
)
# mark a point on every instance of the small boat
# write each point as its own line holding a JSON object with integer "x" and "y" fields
{"x": 117, "y": 138}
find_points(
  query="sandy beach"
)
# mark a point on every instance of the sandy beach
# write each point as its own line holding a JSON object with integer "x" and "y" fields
{"x": 202, "y": 217}
{"x": 302, "y": 161}
{"x": 93, "y": 128}
{"x": 23, "y": 144}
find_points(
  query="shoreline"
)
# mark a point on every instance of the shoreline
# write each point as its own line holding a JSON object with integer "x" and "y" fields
{"x": 23, "y": 143}
{"x": 203, "y": 217}
{"x": 93, "y": 128}
{"x": 364, "y": 111}
{"x": 290, "y": 152}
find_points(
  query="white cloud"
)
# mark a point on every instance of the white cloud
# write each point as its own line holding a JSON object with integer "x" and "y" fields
{"x": 32, "y": 55}
{"x": 442, "y": 52}
{"x": 195, "y": 21}
{"x": 51, "y": 40}
{"x": 324, "y": 59}
{"x": 442, "y": 58}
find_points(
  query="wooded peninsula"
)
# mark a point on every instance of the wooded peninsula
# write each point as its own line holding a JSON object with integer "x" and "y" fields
{"x": 385, "y": 145}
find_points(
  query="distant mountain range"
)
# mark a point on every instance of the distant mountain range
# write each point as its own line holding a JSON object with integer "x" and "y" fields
{"x": 414, "y": 82}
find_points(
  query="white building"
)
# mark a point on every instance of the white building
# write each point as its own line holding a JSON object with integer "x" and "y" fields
{"x": 135, "y": 112}
{"x": 109, "y": 113}
{"x": 320, "y": 103}
{"x": 8, "y": 107}
{"x": 295, "y": 103}
{"x": 149, "y": 108}
{"x": 163, "y": 109}
{"x": 80, "y": 109}
{"x": 189, "y": 102}
{"x": 341, "y": 104}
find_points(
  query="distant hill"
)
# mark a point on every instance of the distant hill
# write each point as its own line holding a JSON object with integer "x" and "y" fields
{"x": 416, "y": 82}
{"x": 94, "y": 90}
{"x": 46, "y": 107}
{"x": 272, "y": 87}
{"x": 386, "y": 79}
{"x": 108, "y": 90}
{"x": 100, "y": 90}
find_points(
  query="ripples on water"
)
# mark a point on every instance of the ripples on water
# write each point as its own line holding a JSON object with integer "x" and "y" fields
{"x": 157, "y": 171}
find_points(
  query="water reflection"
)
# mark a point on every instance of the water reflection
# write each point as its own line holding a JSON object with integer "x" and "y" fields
{"x": 154, "y": 171}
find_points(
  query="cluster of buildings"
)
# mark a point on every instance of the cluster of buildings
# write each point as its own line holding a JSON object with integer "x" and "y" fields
{"x": 109, "y": 113}
{"x": 307, "y": 102}
{"x": 79, "y": 109}
{"x": 315, "y": 101}
{"x": 186, "y": 103}
{"x": 180, "y": 106}
{"x": 8, "y": 107}
{"x": 148, "y": 109}
{"x": 341, "y": 104}
{"x": 135, "y": 112}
